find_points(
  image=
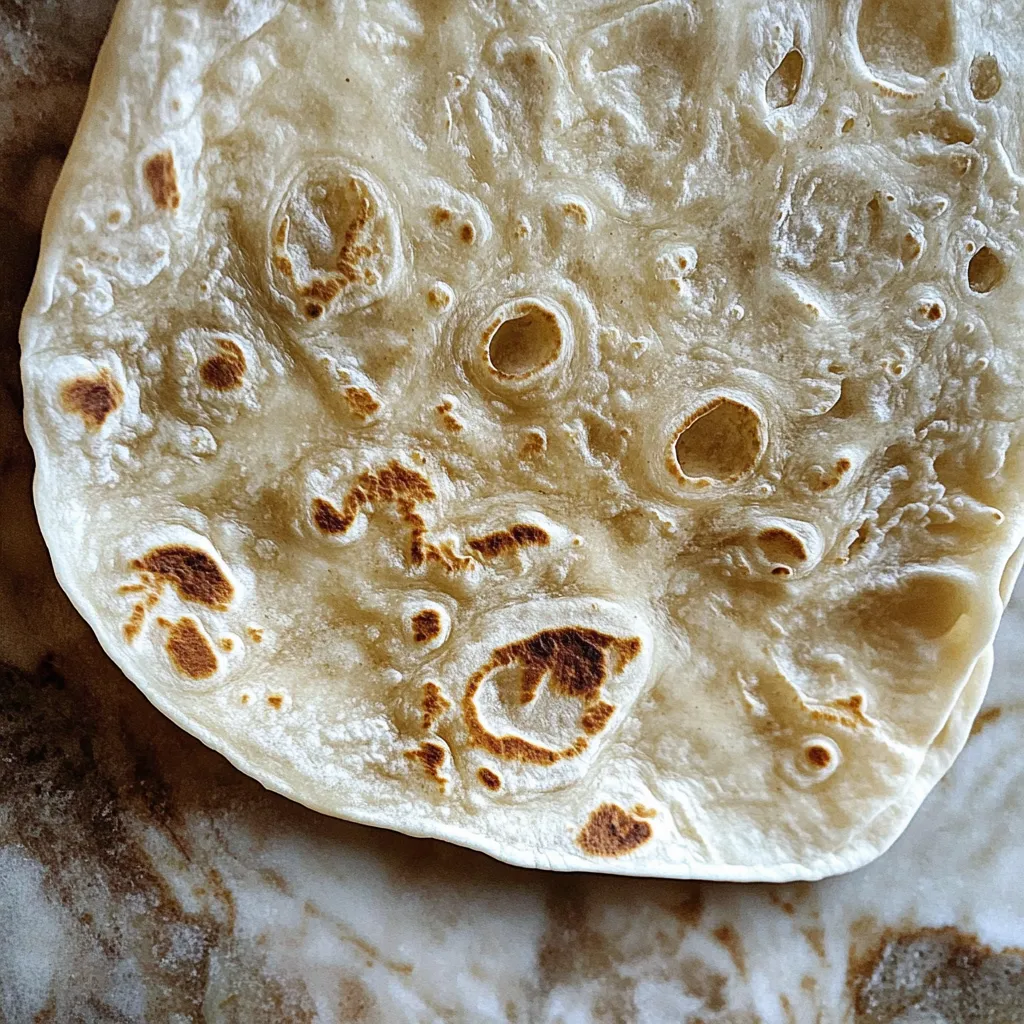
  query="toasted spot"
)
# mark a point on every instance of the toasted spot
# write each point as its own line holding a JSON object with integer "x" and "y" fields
{"x": 327, "y": 518}
{"x": 255, "y": 634}
{"x": 467, "y": 233}
{"x": 611, "y": 832}
{"x": 244, "y": 698}
{"x": 450, "y": 421}
{"x": 729, "y": 937}
{"x": 426, "y": 625}
{"x": 92, "y": 398}
{"x": 784, "y": 82}
{"x": 985, "y": 77}
{"x": 524, "y": 344}
{"x": 431, "y": 756}
{"x": 361, "y": 402}
{"x": 577, "y": 212}
{"x": 719, "y": 441}
{"x": 192, "y": 573}
{"x": 134, "y": 624}
{"x": 780, "y": 545}
{"x": 819, "y": 756}
{"x": 985, "y": 718}
{"x": 226, "y": 371}
{"x": 439, "y": 298}
{"x": 396, "y": 485}
{"x": 330, "y": 230}
{"x": 815, "y": 937}
{"x": 596, "y": 718}
{"x": 985, "y": 271}
{"x": 575, "y": 662}
{"x": 644, "y": 812}
{"x": 275, "y": 700}
{"x": 434, "y": 704}
{"x": 845, "y": 711}
{"x": 501, "y": 541}
{"x": 226, "y": 643}
{"x": 489, "y": 779}
{"x": 442, "y": 216}
{"x": 534, "y": 443}
{"x": 190, "y": 651}
{"x": 936, "y": 974}
{"x": 162, "y": 179}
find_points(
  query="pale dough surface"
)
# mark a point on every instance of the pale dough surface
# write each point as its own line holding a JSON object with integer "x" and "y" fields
{"x": 586, "y": 433}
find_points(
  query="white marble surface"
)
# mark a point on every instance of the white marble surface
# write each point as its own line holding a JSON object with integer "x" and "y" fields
{"x": 144, "y": 879}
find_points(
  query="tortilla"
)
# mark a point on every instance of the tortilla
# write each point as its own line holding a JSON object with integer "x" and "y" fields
{"x": 590, "y": 435}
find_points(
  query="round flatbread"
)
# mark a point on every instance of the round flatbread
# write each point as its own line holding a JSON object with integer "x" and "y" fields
{"x": 586, "y": 433}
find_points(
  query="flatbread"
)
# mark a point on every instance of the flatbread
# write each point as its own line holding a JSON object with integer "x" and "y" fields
{"x": 587, "y": 434}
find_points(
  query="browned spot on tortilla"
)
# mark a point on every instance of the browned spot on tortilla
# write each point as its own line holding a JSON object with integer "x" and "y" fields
{"x": 784, "y": 905}
{"x": 642, "y": 811}
{"x": 689, "y": 910}
{"x": 361, "y": 402}
{"x": 574, "y": 659}
{"x": 845, "y": 711}
{"x": 226, "y": 371}
{"x": 818, "y": 756}
{"x": 324, "y": 290}
{"x": 936, "y": 974}
{"x": 596, "y": 718}
{"x": 520, "y": 535}
{"x": 395, "y": 485}
{"x": 162, "y": 179}
{"x": 434, "y": 704}
{"x": 275, "y": 700}
{"x": 815, "y": 937}
{"x": 354, "y": 249}
{"x": 441, "y": 215}
{"x": 426, "y": 625}
{"x": 787, "y": 1009}
{"x": 729, "y": 937}
{"x": 437, "y": 298}
{"x": 987, "y": 716}
{"x": 245, "y": 698}
{"x": 577, "y": 212}
{"x": 489, "y": 779}
{"x": 190, "y": 651}
{"x": 92, "y": 398}
{"x": 226, "y": 643}
{"x": 192, "y": 573}
{"x": 534, "y": 443}
{"x": 611, "y": 832}
{"x": 255, "y": 634}
{"x": 134, "y": 624}
{"x": 431, "y": 756}
{"x": 709, "y": 987}
{"x": 467, "y": 233}
{"x": 451, "y": 422}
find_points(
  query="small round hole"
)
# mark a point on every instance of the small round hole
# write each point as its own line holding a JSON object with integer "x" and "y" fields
{"x": 985, "y": 271}
{"x": 721, "y": 441}
{"x": 526, "y": 343}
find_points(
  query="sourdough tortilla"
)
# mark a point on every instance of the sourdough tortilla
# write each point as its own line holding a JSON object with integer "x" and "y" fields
{"x": 590, "y": 435}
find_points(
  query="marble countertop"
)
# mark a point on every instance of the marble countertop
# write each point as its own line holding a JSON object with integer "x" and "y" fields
{"x": 142, "y": 878}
